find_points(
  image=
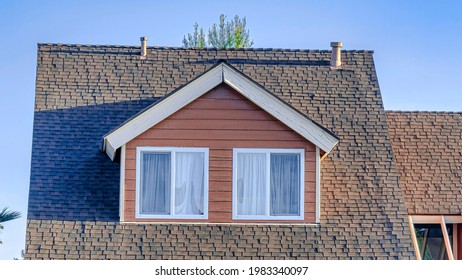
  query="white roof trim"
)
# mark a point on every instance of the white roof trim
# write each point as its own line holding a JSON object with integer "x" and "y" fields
{"x": 210, "y": 79}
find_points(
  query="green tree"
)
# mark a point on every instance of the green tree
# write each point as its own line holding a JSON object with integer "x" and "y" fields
{"x": 6, "y": 215}
{"x": 227, "y": 34}
{"x": 196, "y": 40}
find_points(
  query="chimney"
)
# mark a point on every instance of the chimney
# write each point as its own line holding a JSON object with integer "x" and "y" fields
{"x": 144, "y": 52}
{"x": 336, "y": 57}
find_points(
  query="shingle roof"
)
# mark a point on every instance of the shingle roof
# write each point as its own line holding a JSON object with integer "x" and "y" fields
{"x": 428, "y": 152}
{"x": 84, "y": 91}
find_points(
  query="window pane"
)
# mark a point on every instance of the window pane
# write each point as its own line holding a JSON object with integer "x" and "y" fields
{"x": 431, "y": 241}
{"x": 189, "y": 183}
{"x": 251, "y": 190}
{"x": 155, "y": 183}
{"x": 285, "y": 185}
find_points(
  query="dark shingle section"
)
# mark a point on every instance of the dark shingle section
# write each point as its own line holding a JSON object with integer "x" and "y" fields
{"x": 70, "y": 178}
{"x": 363, "y": 214}
{"x": 428, "y": 152}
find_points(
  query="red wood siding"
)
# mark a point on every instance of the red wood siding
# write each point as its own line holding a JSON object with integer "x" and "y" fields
{"x": 221, "y": 120}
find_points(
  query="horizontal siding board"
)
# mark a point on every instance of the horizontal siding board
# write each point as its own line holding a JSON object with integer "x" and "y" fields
{"x": 264, "y": 125}
{"x": 209, "y": 134}
{"x": 310, "y": 207}
{"x": 129, "y": 195}
{"x": 219, "y": 206}
{"x": 130, "y": 173}
{"x": 217, "y": 114}
{"x": 220, "y": 195}
{"x": 230, "y": 104}
{"x": 219, "y": 186}
{"x": 223, "y": 93}
{"x": 217, "y": 217}
{"x": 310, "y": 197}
{"x": 223, "y": 143}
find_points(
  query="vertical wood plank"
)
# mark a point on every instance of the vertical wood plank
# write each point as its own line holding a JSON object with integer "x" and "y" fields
{"x": 414, "y": 238}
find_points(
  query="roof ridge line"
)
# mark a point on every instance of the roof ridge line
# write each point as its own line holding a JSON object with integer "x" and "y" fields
{"x": 198, "y": 49}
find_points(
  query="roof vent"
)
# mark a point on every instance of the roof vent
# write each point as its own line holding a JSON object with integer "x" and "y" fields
{"x": 336, "y": 57}
{"x": 144, "y": 52}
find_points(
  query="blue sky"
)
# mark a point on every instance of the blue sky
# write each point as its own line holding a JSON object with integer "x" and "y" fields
{"x": 416, "y": 46}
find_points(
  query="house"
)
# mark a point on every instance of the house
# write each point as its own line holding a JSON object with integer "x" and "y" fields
{"x": 173, "y": 153}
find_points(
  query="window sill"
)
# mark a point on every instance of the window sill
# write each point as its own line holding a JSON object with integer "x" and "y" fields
{"x": 160, "y": 217}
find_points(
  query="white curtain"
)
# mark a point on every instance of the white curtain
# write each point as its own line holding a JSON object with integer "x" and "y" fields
{"x": 251, "y": 190}
{"x": 285, "y": 184}
{"x": 155, "y": 183}
{"x": 189, "y": 183}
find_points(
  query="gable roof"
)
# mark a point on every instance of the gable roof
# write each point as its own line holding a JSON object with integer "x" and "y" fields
{"x": 428, "y": 152}
{"x": 84, "y": 91}
{"x": 221, "y": 73}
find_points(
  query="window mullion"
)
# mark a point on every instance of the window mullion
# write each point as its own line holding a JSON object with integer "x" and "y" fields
{"x": 172, "y": 180}
{"x": 446, "y": 238}
{"x": 267, "y": 184}
{"x": 455, "y": 242}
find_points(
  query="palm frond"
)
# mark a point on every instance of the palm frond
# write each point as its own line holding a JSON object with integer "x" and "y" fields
{"x": 6, "y": 215}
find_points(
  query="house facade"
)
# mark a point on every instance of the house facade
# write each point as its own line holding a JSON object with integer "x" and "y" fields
{"x": 172, "y": 153}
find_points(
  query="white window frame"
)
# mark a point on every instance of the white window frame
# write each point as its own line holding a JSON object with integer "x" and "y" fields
{"x": 173, "y": 151}
{"x": 268, "y": 152}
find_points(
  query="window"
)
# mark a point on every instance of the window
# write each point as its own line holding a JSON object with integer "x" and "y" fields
{"x": 172, "y": 183}
{"x": 437, "y": 237}
{"x": 268, "y": 184}
{"x": 430, "y": 241}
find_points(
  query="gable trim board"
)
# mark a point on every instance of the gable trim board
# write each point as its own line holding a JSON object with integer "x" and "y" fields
{"x": 122, "y": 184}
{"x": 318, "y": 186}
{"x": 221, "y": 73}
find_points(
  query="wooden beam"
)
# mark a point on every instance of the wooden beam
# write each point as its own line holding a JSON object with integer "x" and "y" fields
{"x": 414, "y": 238}
{"x": 455, "y": 243}
{"x": 122, "y": 185}
{"x": 318, "y": 186}
{"x": 427, "y": 219}
{"x": 435, "y": 219}
{"x": 446, "y": 238}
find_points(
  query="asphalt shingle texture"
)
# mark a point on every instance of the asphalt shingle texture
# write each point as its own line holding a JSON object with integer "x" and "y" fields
{"x": 428, "y": 152}
{"x": 84, "y": 91}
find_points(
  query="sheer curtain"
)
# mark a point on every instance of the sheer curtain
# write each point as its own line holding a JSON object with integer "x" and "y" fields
{"x": 251, "y": 190}
{"x": 285, "y": 184}
{"x": 155, "y": 183}
{"x": 189, "y": 183}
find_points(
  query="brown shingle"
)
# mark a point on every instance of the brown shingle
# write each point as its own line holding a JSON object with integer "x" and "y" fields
{"x": 428, "y": 152}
